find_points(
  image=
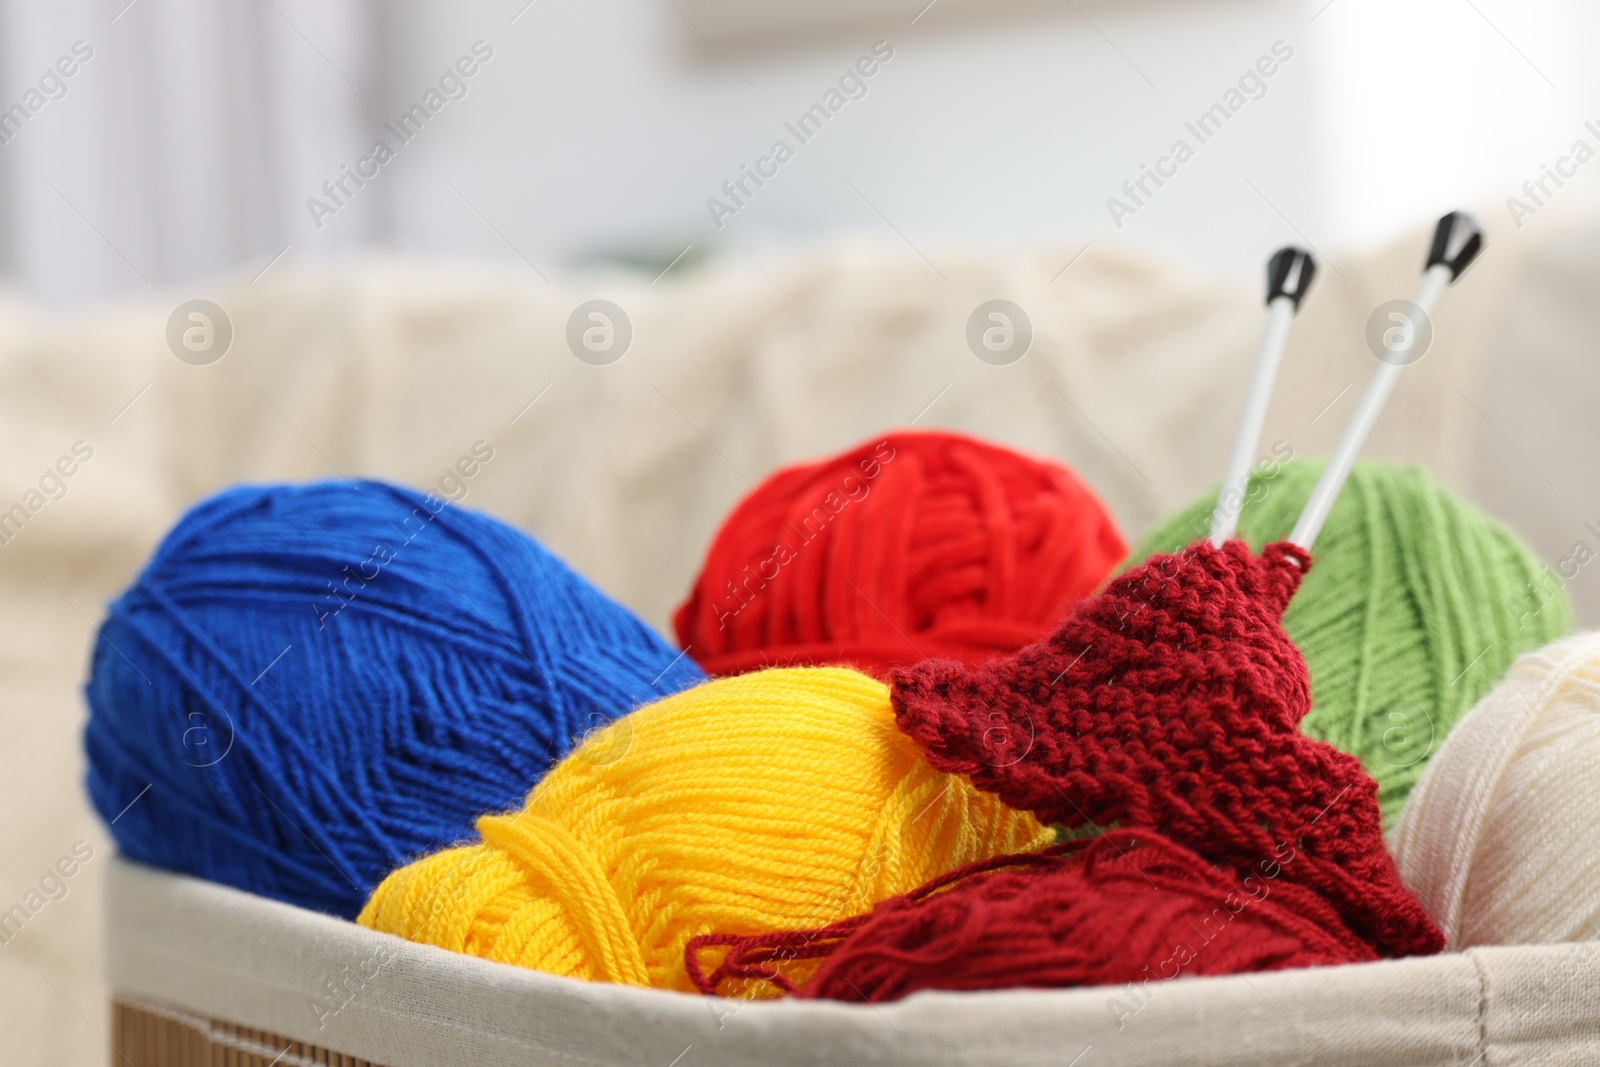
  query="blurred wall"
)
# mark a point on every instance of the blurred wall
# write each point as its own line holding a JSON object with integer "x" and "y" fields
{"x": 196, "y": 136}
{"x": 614, "y": 123}
{"x": 182, "y": 143}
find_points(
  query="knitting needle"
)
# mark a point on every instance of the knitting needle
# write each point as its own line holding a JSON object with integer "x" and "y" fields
{"x": 1289, "y": 275}
{"x": 1456, "y": 243}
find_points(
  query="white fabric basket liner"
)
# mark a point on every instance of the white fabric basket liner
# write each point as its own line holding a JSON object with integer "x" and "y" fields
{"x": 199, "y": 949}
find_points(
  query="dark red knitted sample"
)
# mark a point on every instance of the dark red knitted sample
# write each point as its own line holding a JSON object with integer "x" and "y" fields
{"x": 1129, "y": 906}
{"x": 1172, "y": 701}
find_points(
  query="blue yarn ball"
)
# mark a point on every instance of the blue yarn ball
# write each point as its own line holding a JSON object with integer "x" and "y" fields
{"x": 311, "y": 685}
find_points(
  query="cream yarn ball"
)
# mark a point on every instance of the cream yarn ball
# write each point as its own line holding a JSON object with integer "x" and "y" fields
{"x": 1500, "y": 839}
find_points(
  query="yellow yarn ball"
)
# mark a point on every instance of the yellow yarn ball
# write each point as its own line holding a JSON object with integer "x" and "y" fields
{"x": 782, "y": 799}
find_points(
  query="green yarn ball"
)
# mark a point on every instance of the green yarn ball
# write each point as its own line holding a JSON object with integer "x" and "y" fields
{"x": 1415, "y": 606}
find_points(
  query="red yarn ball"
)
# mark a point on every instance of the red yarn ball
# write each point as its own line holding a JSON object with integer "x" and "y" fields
{"x": 1172, "y": 701}
{"x": 912, "y": 545}
{"x": 1130, "y": 906}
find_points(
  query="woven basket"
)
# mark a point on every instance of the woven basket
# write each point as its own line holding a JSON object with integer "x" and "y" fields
{"x": 152, "y": 1035}
{"x": 204, "y": 975}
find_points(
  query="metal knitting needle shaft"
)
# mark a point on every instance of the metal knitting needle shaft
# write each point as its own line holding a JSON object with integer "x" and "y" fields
{"x": 1289, "y": 274}
{"x": 1456, "y": 243}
